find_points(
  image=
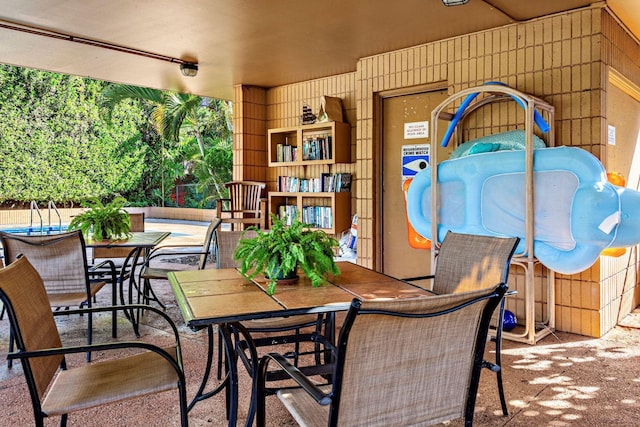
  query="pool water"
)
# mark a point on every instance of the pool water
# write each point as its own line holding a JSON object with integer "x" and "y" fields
{"x": 36, "y": 230}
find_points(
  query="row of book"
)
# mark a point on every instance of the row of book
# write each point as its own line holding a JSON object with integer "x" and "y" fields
{"x": 337, "y": 182}
{"x": 286, "y": 153}
{"x": 316, "y": 148}
{"x": 316, "y": 216}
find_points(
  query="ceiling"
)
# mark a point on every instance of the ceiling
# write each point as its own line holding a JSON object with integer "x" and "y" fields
{"x": 254, "y": 42}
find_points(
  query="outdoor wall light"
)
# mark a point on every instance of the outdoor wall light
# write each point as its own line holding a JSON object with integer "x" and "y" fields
{"x": 189, "y": 69}
{"x": 454, "y": 2}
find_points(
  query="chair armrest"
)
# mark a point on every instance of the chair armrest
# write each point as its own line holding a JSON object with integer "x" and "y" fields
{"x": 294, "y": 373}
{"x": 411, "y": 279}
{"x": 176, "y": 362}
{"x": 157, "y": 249}
{"x": 220, "y": 206}
{"x": 144, "y": 307}
{"x": 102, "y": 268}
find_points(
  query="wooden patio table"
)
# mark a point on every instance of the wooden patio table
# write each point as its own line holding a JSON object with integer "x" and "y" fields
{"x": 224, "y": 298}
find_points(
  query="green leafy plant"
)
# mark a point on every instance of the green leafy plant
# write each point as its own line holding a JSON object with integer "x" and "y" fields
{"x": 108, "y": 221}
{"x": 283, "y": 249}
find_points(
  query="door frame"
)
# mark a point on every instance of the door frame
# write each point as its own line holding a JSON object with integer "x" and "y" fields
{"x": 378, "y": 99}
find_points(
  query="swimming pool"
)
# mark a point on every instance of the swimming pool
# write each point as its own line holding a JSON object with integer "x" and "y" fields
{"x": 54, "y": 229}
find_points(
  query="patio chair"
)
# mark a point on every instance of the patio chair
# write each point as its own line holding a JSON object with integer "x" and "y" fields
{"x": 467, "y": 262}
{"x": 263, "y": 332}
{"x": 148, "y": 273}
{"x": 55, "y": 388}
{"x": 242, "y": 207}
{"x": 61, "y": 261}
{"x": 413, "y": 361}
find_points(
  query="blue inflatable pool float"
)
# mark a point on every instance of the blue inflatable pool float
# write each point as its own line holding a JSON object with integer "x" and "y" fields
{"x": 577, "y": 212}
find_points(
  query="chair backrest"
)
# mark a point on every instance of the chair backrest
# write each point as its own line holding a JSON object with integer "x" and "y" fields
{"x": 226, "y": 243}
{"x": 466, "y": 262}
{"x": 208, "y": 246}
{"x": 245, "y": 196}
{"x": 60, "y": 259}
{"x": 137, "y": 224}
{"x": 418, "y": 370}
{"x": 23, "y": 294}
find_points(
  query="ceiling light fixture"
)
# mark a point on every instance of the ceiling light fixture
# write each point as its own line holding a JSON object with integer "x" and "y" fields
{"x": 454, "y": 2}
{"x": 189, "y": 69}
{"x": 186, "y": 68}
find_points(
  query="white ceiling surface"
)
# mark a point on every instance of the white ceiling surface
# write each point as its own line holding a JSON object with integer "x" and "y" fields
{"x": 254, "y": 42}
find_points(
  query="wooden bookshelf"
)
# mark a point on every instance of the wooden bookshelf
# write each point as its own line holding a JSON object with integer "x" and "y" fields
{"x": 335, "y": 137}
{"x": 338, "y": 204}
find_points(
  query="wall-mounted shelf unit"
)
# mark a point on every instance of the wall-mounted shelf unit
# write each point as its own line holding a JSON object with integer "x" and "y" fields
{"x": 332, "y": 211}
{"x": 320, "y": 143}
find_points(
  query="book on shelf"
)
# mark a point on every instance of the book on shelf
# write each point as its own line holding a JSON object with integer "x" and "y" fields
{"x": 344, "y": 182}
{"x": 318, "y": 216}
{"x": 279, "y": 153}
{"x": 334, "y": 183}
{"x": 316, "y": 148}
{"x": 288, "y": 211}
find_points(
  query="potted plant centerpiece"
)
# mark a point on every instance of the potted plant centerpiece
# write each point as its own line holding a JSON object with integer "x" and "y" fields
{"x": 108, "y": 221}
{"x": 279, "y": 252}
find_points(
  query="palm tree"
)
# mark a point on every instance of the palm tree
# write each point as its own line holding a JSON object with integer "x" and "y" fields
{"x": 176, "y": 116}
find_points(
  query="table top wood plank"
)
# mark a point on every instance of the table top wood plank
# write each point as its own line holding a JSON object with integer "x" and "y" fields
{"x": 215, "y": 287}
{"x": 352, "y": 273}
{"x": 190, "y": 276}
{"x": 303, "y": 294}
{"x": 208, "y": 297}
{"x": 138, "y": 239}
{"x": 386, "y": 290}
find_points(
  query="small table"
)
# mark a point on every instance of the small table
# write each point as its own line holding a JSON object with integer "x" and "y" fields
{"x": 224, "y": 297}
{"x": 141, "y": 243}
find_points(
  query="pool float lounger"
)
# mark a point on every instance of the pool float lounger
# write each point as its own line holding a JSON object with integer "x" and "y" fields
{"x": 577, "y": 212}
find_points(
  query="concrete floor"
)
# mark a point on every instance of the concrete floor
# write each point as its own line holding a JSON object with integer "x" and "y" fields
{"x": 564, "y": 380}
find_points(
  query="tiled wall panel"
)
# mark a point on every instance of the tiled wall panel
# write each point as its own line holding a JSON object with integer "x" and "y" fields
{"x": 561, "y": 59}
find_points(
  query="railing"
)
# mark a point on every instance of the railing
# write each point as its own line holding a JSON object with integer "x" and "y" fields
{"x": 52, "y": 206}
{"x": 34, "y": 208}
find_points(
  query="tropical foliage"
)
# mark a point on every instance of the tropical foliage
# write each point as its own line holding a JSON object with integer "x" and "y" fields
{"x": 54, "y": 144}
{"x": 66, "y": 138}
{"x": 193, "y": 131}
{"x": 283, "y": 249}
{"x": 100, "y": 221}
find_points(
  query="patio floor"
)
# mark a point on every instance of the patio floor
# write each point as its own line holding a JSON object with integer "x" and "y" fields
{"x": 564, "y": 380}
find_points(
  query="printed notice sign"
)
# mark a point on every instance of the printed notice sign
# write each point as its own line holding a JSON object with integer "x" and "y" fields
{"x": 416, "y": 130}
{"x": 611, "y": 135}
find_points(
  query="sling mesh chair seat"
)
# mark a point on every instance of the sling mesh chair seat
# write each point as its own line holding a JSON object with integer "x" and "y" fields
{"x": 401, "y": 362}
{"x": 61, "y": 261}
{"x": 467, "y": 262}
{"x": 56, "y": 390}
